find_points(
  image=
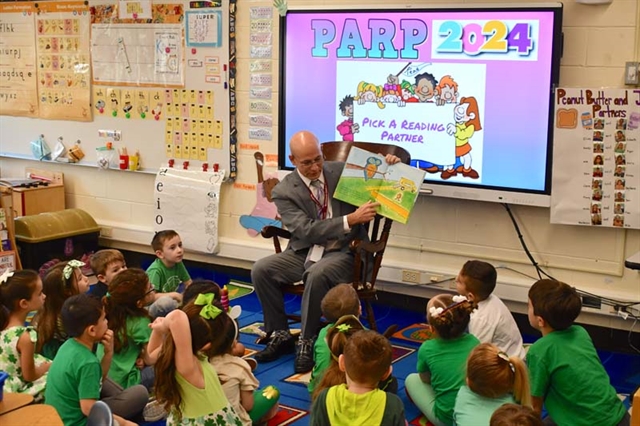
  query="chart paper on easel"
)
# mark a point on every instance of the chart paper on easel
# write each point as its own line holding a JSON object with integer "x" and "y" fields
{"x": 188, "y": 202}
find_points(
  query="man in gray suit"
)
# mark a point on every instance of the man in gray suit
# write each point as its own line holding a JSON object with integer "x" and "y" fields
{"x": 318, "y": 251}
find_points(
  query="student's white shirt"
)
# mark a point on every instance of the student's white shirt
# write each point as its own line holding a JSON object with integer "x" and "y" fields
{"x": 493, "y": 323}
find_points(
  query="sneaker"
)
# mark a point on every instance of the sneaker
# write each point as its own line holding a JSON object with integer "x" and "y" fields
{"x": 281, "y": 343}
{"x": 304, "y": 356}
{"x": 154, "y": 411}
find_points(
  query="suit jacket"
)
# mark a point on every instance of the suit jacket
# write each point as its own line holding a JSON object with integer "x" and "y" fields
{"x": 299, "y": 212}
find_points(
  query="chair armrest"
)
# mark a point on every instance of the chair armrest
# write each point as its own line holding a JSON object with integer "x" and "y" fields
{"x": 274, "y": 231}
{"x": 275, "y": 234}
{"x": 356, "y": 245}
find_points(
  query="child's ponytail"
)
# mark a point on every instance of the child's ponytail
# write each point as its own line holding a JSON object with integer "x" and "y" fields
{"x": 492, "y": 373}
{"x": 337, "y": 338}
{"x": 166, "y": 384}
{"x": 521, "y": 388}
{"x": 207, "y": 331}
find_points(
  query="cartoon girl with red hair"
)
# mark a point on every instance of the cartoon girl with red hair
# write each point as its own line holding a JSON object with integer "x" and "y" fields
{"x": 467, "y": 122}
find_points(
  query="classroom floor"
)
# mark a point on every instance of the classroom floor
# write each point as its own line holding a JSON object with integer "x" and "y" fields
{"x": 623, "y": 369}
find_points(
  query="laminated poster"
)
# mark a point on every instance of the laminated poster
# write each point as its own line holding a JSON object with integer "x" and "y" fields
{"x": 18, "y": 75}
{"x": 64, "y": 75}
{"x": 596, "y": 158}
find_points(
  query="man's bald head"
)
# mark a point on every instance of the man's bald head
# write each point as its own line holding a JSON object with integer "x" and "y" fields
{"x": 305, "y": 154}
{"x": 302, "y": 141}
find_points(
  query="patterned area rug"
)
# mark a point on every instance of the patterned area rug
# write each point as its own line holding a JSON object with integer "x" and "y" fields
{"x": 399, "y": 352}
{"x": 286, "y": 415}
{"x": 238, "y": 289}
{"x": 416, "y": 333}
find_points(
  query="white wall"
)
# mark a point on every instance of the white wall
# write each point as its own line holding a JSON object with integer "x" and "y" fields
{"x": 443, "y": 233}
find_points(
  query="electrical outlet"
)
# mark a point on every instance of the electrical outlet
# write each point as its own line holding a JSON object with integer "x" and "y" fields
{"x": 106, "y": 231}
{"x": 410, "y": 276}
{"x": 631, "y": 73}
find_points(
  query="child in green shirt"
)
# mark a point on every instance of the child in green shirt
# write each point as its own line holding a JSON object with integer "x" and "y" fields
{"x": 167, "y": 272}
{"x": 442, "y": 359}
{"x": 339, "y": 301}
{"x": 566, "y": 372}
{"x": 75, "y": 376}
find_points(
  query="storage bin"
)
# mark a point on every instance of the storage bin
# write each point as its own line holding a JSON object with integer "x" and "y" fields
{"x": 66, "y": 234}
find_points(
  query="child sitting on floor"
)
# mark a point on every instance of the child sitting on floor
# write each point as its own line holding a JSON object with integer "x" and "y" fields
{"x": 515, "y": 415}
{"x": 167, "y": 273}
{"x": 366, "y": 360}
{"x": 105, "y": 265}
{"x": 63, "y": 280}
{"x": 441, "y": 360}
{"x": 186, "y": 384}
{"x": 492, "y": 321}
{"x": 493, "y": 379}
{"x": 21, "y": 293}
{"x": 129, "y": 293}
{"x": 566, "y": 372}
{"x": 339, "y": 301}
{"x": 337, "y": 338}
{"x": 253, "y": 405}
{"x": 76, "y": 375}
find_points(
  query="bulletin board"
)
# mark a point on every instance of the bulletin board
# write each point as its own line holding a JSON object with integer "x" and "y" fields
{"x": 159, "y": 79}
{"x": 596, "y": 158}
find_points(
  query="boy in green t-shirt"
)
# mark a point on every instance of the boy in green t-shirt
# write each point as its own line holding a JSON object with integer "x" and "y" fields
{"x": 167, "y": 272}
{"x": 75, "y": 377}
{"x": 566, "y": 373}
{"x": 339, "y": 301}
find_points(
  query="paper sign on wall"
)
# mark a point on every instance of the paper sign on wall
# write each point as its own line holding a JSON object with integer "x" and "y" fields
{"x": 596, "y": 158}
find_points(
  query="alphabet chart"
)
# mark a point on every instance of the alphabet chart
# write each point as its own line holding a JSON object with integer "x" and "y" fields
{"x": 596, "y": 158}
{"x": 18, "y": 87}
{"x": 62, "y": 39}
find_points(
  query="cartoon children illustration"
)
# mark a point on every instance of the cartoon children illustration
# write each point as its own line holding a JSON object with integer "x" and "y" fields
{"x": 425, "y": 87}
{"x": 446, "y": 91}
{"x": 467, "y": 122}
{"x": 347, "y": 128}
{"x": 369, "y": 92}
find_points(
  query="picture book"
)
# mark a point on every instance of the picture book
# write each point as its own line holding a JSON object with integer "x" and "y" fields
{"x": 367, "y": 177}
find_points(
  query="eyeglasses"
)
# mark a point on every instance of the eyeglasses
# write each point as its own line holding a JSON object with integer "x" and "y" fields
{"x": 309, "y": 163}
{"x": 149, "y": 292}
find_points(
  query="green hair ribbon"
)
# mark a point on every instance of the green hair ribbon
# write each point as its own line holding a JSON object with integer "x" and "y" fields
{"x": 70, "y": 266}
{"x": 343, "y": 328}
{"x": 209, "y": 310}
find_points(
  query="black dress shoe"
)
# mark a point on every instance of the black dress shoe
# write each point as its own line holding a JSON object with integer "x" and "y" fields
{"x": 278, "y": 346}
{"x": 304, "y": 356}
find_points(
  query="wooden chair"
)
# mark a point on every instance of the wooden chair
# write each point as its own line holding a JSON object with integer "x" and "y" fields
{"x": 368, "y": 255}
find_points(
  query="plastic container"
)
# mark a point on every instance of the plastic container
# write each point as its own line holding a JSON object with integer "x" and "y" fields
{"x": 3, "y": 376}
{"x": 64, "y": 235}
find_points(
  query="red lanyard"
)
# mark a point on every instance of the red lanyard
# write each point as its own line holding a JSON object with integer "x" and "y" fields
{"x": 323, "y": 208}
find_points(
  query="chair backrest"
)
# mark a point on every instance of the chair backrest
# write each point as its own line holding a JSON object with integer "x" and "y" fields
{"x": 100, "y": 415}
{"x": 338, "y": 151}
{"x": 370, "y": 253}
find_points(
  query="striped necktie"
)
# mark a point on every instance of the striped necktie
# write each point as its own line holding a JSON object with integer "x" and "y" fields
{"x": 318, "y": 192}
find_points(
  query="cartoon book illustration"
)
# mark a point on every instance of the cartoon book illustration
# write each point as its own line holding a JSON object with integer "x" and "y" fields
{"x": 367, "y": 177}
